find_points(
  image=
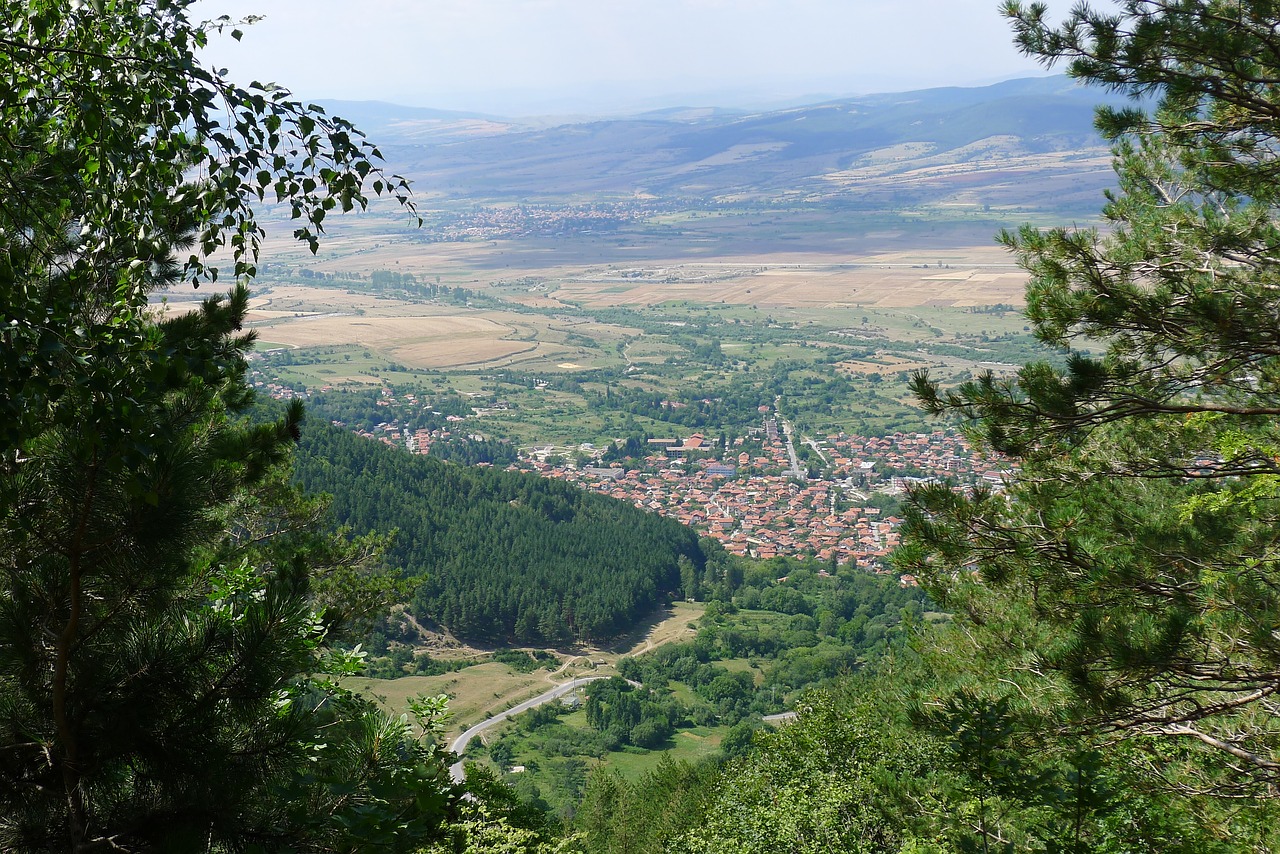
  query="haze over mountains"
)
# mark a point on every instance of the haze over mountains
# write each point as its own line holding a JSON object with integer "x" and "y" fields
{"x": 926, "y": 146}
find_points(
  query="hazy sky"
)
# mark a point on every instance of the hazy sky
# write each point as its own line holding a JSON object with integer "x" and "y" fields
{"x": 530, "y": 56}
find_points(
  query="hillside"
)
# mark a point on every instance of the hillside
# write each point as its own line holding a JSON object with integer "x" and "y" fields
{"x": 501, "y": 556}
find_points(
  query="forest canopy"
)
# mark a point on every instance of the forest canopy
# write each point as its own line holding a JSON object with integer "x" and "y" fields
{"x": 497, "y": 555}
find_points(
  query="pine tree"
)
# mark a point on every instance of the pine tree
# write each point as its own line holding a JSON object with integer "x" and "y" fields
{"x": 1139, "y": 538}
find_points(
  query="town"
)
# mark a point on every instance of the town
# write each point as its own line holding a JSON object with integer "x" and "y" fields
{"x": 750, "y": 493}
{"x": 763, "y": 507}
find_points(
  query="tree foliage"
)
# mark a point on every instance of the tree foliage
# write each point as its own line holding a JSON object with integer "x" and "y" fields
{"x": 1139, "y": 540}
{"x": 126, "y": 165}
{"x": 880, "y": 764}
{"x": 167, "y": 609}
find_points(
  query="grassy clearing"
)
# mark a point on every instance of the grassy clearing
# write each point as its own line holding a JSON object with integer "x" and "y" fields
{"x": 543, "y": 425}
{"x": 742, "y": 665}
{"x": 475, "y": 693}
{"x": 669, "y": 625}
{"x": 688, "y": 745}
{"x": 761, "y": 616}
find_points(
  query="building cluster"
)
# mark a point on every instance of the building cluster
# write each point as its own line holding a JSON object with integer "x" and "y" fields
{"x": 416, "y": 441}
{"x": 265, "y": 383}
{"x": 752, "y": 501}
{"x": 755, "y": 509}
{"x": 899, "y": 460}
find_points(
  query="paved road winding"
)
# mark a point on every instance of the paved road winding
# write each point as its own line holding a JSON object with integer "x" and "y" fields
{"x": 460, "y": 743}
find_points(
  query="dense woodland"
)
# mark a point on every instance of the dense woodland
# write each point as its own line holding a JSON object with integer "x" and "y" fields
{"x": 501, "y": 556}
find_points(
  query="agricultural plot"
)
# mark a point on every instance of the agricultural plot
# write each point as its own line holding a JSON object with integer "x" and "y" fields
{"x": 543, "y": 337}
{"x": 972, "y": 277}
{"x": 295, "y": 301}
{"x": 428, "y": 336}
{"x": 428, "y": 342}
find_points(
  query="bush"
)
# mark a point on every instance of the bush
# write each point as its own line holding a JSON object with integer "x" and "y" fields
{"x": 650, "y": 733}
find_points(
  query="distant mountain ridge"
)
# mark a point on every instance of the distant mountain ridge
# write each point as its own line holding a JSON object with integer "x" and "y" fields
{"x": 708, "y": 153}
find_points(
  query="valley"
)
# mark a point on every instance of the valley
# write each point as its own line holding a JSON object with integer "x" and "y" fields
{"x": 887, "y": 473}
{"x": 734, "y": 356}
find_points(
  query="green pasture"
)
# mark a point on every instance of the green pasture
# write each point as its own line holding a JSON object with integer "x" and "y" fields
{"x": 687, "y": 745}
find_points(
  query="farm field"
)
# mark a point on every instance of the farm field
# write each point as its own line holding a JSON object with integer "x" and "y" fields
{"x": 475, "y": 693}
{"x": 963, "y": 275}
{"x": 422, "y": 341}
{"x": 973, "y": 276}
{"x": 428, "y": 335}
{"x": 418, "y": 334}
{"x": 639, "y": 329}
{"x": 534, "y": 329}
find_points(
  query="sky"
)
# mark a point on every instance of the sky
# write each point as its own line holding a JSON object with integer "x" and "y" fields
{"x": 528, "y": 57}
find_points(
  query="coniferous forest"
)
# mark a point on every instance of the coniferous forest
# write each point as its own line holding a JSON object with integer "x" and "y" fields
{"x": 501, "y": 556}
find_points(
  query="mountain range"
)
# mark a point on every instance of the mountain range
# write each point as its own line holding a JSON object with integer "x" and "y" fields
{"x": 929, "y": 145}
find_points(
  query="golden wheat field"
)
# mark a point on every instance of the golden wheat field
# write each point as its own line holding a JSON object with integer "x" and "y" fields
{"x": 424, "y": 341}
{"x": 417, "y": 334}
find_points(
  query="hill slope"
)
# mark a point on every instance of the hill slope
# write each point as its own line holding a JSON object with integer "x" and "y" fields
{"x": 501, "y": 556}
